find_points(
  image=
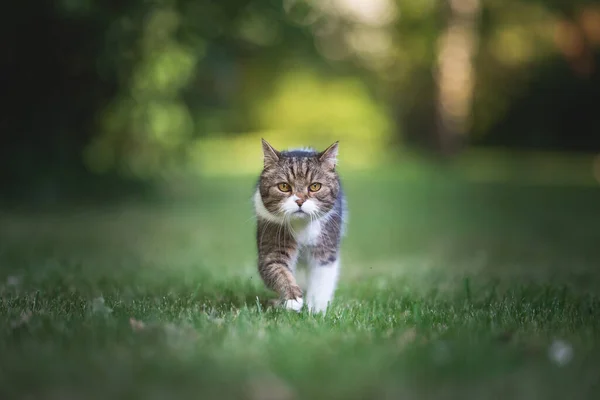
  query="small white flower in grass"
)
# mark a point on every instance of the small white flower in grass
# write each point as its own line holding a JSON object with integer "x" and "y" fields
{"x": 560, "y": 352}
{"x": 98, "y": 306}
{"x": 13, "y": 280}
{"x": 23, "y": 320}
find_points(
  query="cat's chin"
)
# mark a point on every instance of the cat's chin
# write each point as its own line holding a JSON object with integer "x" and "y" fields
{"x": 299, "y": 215}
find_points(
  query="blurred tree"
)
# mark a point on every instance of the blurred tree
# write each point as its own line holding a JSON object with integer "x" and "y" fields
{"x": 125, "y": 88}
{"x": 51, "y": 91}
{"x": 455, "y": 73}
{"x": 538, "y": 77}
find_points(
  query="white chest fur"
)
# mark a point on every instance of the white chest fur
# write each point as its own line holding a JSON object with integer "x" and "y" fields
{"x": 307, "y": 233}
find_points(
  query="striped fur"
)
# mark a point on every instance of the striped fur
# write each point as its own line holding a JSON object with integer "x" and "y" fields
{"x": 299, "y": 224}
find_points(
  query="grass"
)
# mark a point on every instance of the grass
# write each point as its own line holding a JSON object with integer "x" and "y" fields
{"x": 450, "y": 289}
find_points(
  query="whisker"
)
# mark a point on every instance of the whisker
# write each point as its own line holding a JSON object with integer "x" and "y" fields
{"x": 252, "y": 218}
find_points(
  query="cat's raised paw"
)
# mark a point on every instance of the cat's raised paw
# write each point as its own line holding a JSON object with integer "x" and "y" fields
{"x": 294, "y": 304}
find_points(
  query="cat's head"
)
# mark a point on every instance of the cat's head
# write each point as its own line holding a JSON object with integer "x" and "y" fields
{"x": 299, "y": 184}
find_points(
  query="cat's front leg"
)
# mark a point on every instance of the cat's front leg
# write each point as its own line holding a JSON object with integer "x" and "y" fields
{"x": 277, "y": 254}
{"x": 278, "y": 276}
{"x": 322, "y": 282}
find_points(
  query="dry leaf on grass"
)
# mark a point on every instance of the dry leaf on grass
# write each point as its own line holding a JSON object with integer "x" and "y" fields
{"x": 407, "y": 337}
{"x": 13, "y": 280}
{"x": 136, "y": 325}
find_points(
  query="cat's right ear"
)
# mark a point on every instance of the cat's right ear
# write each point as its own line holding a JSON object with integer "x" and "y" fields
{"x": 271, "y": 156}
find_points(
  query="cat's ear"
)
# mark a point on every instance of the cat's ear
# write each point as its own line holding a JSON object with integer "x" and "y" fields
{"x": 271, "y": 156}
{"x": 328, "y": 157}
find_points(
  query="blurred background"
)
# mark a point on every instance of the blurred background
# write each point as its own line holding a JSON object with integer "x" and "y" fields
{"x": 113, "y": 96}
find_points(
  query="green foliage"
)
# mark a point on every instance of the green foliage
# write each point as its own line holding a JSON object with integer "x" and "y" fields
{"x": 144, "y": 87}
{"x": 305, "y": 103}
{"x": 148, "y": 122}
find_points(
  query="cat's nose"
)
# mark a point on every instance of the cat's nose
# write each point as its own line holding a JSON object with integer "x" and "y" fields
{"x": 300, "y": 202}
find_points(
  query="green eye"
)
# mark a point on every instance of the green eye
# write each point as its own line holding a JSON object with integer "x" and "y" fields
{"x": 284, "y": 187}
{"x": 314, "y": 187}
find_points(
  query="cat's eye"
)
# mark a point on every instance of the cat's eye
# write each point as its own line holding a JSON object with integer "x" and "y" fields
{"x": 284, "y": 187}
{"x": 314, "y": 187}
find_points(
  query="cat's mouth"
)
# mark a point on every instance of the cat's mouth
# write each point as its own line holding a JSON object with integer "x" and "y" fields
{"x": 299, "y": 214}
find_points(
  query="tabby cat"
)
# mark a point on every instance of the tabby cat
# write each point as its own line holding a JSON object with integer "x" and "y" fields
{"x": 300, "y": 210}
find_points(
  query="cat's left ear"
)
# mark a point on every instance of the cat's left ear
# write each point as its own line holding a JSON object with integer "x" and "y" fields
{"x": 271, "y": 156}
{"x": 328, "y": 157}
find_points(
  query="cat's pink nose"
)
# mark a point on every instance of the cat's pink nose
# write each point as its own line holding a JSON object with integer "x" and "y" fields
{"x": 300, "y": 202}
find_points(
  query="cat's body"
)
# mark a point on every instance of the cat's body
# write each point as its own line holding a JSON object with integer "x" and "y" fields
{"x": 300, "y": 210}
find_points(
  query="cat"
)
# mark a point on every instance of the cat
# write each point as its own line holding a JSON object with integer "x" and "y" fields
{"x": 300, "y": 210}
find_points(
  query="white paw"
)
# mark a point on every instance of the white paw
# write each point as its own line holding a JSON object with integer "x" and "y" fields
{"x": 295, "y": 304}
{"x": 318, "y": 307}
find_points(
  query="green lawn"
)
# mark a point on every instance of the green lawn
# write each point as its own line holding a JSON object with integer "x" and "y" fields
{"x": 449, "y": 289}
